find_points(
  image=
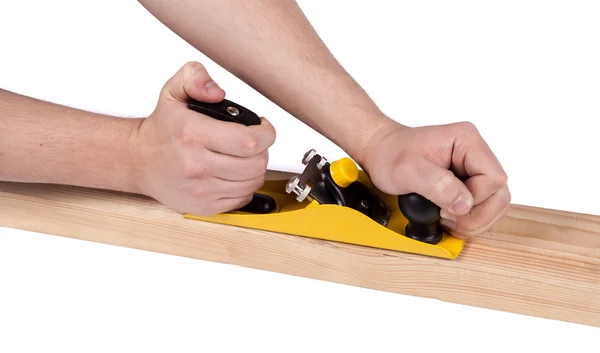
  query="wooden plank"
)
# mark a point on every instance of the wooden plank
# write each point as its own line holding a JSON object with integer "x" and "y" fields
{"x": 537, "y": 262}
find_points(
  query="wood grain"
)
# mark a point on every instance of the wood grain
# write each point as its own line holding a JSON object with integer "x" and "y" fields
{"x": 537, "y": 262}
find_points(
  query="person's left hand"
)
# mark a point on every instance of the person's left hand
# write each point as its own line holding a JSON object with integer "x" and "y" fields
{"x": 193, "y": 163}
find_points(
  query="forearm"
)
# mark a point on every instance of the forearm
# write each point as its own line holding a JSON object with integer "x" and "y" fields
{"x": 271, "y": 46}
{"x": 49, "y": 143}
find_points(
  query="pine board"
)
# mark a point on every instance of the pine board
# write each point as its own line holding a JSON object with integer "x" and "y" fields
{"x": 537, "y": 262}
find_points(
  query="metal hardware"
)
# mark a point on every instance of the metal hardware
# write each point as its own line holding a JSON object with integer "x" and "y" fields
{"x": 233, "y": 111}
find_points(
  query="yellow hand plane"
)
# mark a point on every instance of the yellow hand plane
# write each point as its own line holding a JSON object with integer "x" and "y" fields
{"x": 335, "y": 201}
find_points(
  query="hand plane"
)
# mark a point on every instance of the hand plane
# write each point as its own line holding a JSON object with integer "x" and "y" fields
{"x": 334, "y": 201}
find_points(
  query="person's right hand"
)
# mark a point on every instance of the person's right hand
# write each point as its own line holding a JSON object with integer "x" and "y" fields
{"x": 193, "y": 163}
{"x": 451, "y": 165}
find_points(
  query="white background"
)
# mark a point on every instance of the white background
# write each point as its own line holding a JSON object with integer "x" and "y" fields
{"x": 525, "y": 72}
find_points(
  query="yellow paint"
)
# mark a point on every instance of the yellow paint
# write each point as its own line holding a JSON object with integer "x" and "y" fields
{"x": 343, "y": 172}
{"x": 335, "y": 223}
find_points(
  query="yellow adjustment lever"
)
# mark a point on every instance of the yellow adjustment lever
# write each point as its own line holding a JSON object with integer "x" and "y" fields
{"x": 343, "y": 172}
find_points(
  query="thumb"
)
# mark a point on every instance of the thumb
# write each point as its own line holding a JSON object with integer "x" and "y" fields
{"x": 192, "y": 81}
{"x": 437, "y": 184}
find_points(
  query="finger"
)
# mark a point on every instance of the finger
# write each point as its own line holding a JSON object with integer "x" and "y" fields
{"x": 228, "y": 189}
{"x": 487, "y": 175}
{"x": 255, "y": 140}
{"x": 482, "y": 216}
{"x": 436, "y": 184}
{"x": 469, "y": 234}
{"x": 474, "y": 159}
{"x": 480, "y": 160}
{"x": 218, "y": 188}
{"x": 482, "y": 187}
{"x": 228, "y": 195}
{"x": 267, "y": 130}
{"x": 227, "y": 204}
{"x": 230, "y": 138}
{"x": 192, "y": 80}
{"x": 235, "y": 168}
{"x": 481, "y": 190}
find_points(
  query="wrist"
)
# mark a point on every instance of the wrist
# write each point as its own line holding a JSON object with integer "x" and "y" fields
{"x": 117, "y": 164}
{"x": 137, "y": 152}
{"x": 359, "y": 144}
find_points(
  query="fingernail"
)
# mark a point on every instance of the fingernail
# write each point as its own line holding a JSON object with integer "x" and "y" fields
{"x": 462, "y": 204}
{"x": 212, "y": 88}
{"x": 447, "y": 216}
{"x": 448, "y": 224}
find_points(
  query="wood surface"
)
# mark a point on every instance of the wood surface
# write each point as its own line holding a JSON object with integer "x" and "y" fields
{"x": 538, "y": 262}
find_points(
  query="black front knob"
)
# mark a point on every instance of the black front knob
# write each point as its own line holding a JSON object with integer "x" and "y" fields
{"x": 423, "y": 217}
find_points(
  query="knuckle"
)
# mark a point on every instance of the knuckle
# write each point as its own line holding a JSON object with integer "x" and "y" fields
{"x": 395, "y": 180}
{"x": 259, "y": 183}
{"x": 470, "y": 227}
{"x": 200, "y": 194}
{"x": 468, "y": 127}
{"x": 506, "y": 196}
{"x": 443, "y": 183}
{"x": 272, "y": 134}
{"x": 190, "y": 69}
{"x": 397, "y": 175}
{"x": 193, "y": 66}
{"x": 252, "y": 185}
{"x": 193, "y": 170}
{"x": 262, "y": 162}
{"x": 249, "y": 144}
{"x": 466, "y": 130}
{"x": 255, "y": 184}
{"x": 187, "y": 135}
{"x": 500, "y": 180}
